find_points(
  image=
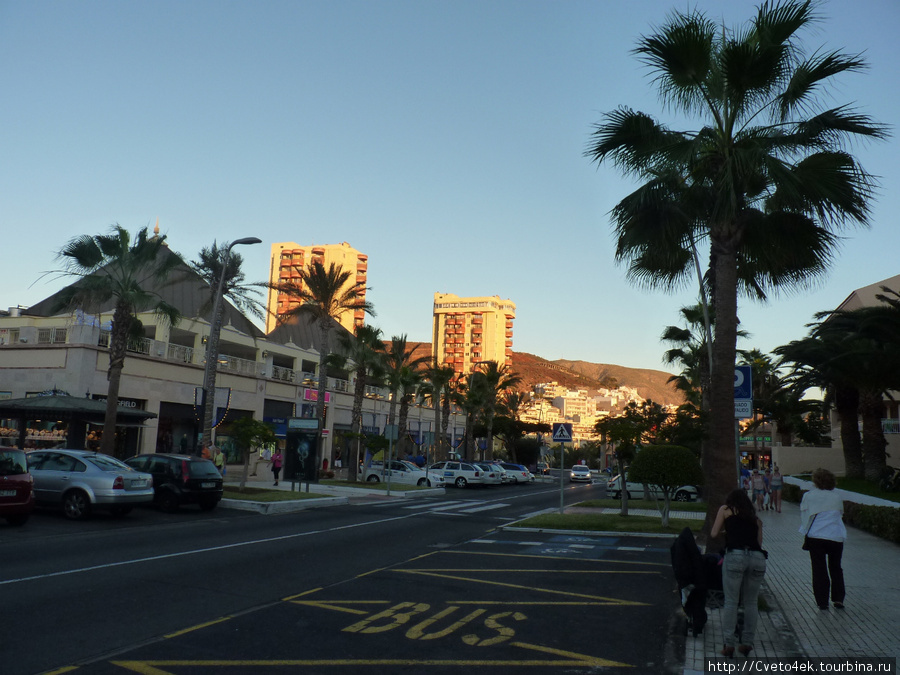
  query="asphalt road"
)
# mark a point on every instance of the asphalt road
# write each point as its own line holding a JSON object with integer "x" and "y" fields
{"x": 397, "y": 586}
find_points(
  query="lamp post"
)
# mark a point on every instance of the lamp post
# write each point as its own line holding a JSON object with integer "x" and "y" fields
{"x": 212, "y": 343}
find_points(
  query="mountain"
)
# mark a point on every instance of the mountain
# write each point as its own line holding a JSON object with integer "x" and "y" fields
{"x": 651, "y": 384}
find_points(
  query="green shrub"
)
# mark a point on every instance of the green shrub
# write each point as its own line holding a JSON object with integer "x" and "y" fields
{"x": 882, "y": 521}
{"x": 791, "y": 493}
{"x": 669, "y": 466}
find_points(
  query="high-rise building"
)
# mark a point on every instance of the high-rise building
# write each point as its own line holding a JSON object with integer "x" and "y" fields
{"x": 289, "y": 258}
{"x": 468, "y": 330}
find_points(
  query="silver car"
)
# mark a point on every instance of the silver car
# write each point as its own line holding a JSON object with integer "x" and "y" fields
{"x": 79, "y": 481}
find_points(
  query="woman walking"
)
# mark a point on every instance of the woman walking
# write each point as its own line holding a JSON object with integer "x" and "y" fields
{"x": 821, "y": 511}
{"x": 743, "y": 569}
{"x": 276, "y": 464}
{"x": 775, "y": 485}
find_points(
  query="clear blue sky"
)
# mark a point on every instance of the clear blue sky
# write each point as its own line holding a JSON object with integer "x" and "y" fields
{"x": 443, "y": 139}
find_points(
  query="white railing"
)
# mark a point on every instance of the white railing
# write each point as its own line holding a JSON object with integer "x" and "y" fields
{"x": 340, "y": 385}
{"x": 890, "y": 426}
{"x": 283, "y": 374}
{"x": 180, "y": 353}
{"x": 233, "y": 364}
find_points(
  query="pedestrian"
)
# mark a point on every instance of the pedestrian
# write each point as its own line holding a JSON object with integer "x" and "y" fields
{"x": 767, "y": 498}
{"x": 218, "y": 458}
{"x": 759, "y": 489}
{"x": 821, "y": 521}
{"x": 276, "y": 464}
{"x": 205, "y": 453}
{"x": 743, "y": 568}
{"x": 776, "y": 483}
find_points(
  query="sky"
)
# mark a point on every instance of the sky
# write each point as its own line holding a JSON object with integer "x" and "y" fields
{"x": 445, "y": 140}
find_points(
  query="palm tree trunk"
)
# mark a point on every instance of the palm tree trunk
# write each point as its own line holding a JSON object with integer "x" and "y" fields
{"x": 359, "y": 393}
{"x": 209, "y": 382}
{"x": 846, "y": 402}
{"x": 324, "y": 330}
{"x": 873, "y": 443}
{"x": 445, "y": 425}
{"x": 402, "y": 443}
{"x": 719, "y": 461}
{"x": 117, "y": 345}
{"x": 436, "y": 403}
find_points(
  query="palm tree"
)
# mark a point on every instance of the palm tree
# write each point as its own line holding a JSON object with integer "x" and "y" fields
{"x": 765, "y": 179}
{"x": 469, "y": 395}
{"x": 244, "y": 297}
{"x": 435, "y": 389}
{"x": 511, "y": 405}
{"x": 326, "y": 295}
{"x": 408, "y": 380}
{"x": 114, "y": 269}
{"x": 398, "y": 359}
{"x": 366, "y": 351}
{"x": 495, "y": 379}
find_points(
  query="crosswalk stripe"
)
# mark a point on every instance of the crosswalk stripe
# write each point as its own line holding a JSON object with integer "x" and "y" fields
{"x": 485, "y": 508}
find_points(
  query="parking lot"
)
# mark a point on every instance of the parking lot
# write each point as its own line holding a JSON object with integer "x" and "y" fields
{"x": 514, "y": 602}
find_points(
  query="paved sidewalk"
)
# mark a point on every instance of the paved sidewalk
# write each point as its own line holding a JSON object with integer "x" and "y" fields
{"x": 795, "y": 626}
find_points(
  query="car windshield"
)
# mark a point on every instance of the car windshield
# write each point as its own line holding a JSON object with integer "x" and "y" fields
{"x": 203, "y": 469}
{"x": 12, "y": 462}
{"x": 107, "y": 463}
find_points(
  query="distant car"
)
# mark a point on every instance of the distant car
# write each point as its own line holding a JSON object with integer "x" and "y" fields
{"x": 518, "y": 472}
{"x": 80, "y": 481}
{"x": 16, "y": 487}
{"x": 492, "y": 475}
{"x": 460, "y": 474}
{"x": 542, "y": 469}
{"x": 580, "y": 473}
{"x": 684, "y": 493}
{"x": 181, "y": 479}
{"x": 404, "y": 473}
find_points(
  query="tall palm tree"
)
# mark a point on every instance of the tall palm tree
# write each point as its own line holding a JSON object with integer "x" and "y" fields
{"x": 764, "y": 179}
{"x": 495, "y": 379}
{"x": 408, "y": 380}
{"x": 365, "y": 350}
{"x": 326, "y": 295}
{"x": 469, "y": 396}
{"x": 435, "y": 389}
{"x": 116, "y": 270}
{"x": 398, "y": 359}
{"x": 245, "y": 297}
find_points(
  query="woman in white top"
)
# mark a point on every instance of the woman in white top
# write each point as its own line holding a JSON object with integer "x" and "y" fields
{"x": 821, "y": 521}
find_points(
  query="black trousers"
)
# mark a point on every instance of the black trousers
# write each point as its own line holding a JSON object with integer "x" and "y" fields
{"x": 827, "y": 575}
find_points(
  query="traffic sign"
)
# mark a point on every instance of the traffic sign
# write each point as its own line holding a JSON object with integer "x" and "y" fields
{"x": 562, "y": 432}
{"x": 743, "y": 408}
{"x": 743, "y": 386}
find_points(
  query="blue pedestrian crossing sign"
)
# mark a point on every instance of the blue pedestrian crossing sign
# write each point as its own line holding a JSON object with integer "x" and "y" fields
{"x": 562, "y": 432}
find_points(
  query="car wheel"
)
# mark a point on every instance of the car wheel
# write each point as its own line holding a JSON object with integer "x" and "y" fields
{"x": 617, "y": 495}
{"x": 422, "y": 482}
{"x": 461, "y": 482}
{"x": 682, "y": 496}
{"x": 208, "y": 504}
{"x": 76, "y": 505}
{"x": 119, "y": 511}
{"x": 168, "y": 502}
{"x": 19, "y": 519}
{"x": 373, "y": 479}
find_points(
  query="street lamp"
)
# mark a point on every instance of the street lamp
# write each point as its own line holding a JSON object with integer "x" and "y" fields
{"x": 212, "y": 344}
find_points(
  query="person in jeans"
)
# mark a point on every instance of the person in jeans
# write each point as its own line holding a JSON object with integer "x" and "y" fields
{"x": 821, "y": 511}
{"x": 776, "y": 485}
{"x": 743, "y": 568}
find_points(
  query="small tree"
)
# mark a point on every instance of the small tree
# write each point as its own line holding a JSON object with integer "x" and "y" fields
{"x": 666, "y": 466}
{"x": 249, "y": 433}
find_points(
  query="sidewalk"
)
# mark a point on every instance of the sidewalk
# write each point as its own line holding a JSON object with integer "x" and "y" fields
{"x": 795, "y": 626}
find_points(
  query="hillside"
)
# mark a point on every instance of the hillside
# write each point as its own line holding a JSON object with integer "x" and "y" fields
{"x": 533, "y": 370}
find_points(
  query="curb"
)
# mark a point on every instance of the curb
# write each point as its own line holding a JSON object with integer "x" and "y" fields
{"x": 272, "y": 508}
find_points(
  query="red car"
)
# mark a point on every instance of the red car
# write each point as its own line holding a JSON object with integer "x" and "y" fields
{"x": 16, "y": 487}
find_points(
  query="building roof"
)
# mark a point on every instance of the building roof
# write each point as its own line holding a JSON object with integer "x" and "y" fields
{"x": 865, "y": 296}
{"x": 184, "y": 289}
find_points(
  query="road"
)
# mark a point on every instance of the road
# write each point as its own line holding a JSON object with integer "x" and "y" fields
{"x": 386, "y": 586}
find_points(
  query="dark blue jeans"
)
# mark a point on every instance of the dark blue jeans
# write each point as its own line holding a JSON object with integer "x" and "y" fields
{"x": 827, "y": 575}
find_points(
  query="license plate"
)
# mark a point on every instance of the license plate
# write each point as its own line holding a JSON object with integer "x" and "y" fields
{"x": 206, "y": 486}
{"x": 138, "y": 483}
{"x": 7, "y": 493}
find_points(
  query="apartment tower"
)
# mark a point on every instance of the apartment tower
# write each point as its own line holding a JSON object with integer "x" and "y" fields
{"x": 468, "y": 330}
{"x": 289, "y": 258}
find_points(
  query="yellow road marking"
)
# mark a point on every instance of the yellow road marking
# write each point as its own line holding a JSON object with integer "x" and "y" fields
{"x": 155, "y": 667}
{"x": 504, "y": 570}
{"x": 335, "y": 604}
{"x": 197, "y": 627}
{"x": 300, "y": 595}
{"x": 593, "y": 660}
{"x": 610, "y": 601}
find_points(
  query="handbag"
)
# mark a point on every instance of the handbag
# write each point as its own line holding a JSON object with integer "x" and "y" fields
{"x": 805, "y": 546}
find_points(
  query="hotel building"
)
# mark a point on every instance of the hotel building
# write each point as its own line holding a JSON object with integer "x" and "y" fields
{"x": 288, "y": 258}
{"x": 468, "y": 330}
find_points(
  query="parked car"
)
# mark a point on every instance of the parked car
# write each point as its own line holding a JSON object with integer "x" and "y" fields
{"x": 518, "y": 472}
{"x": 181, "y": 479}
{"x": 492, "y": 475}
{"x": 403, "y": 472}
{"x": 460, "y": 474}
{"x": 16, "y": 487}
{"x": 542, "y": 469}
{"x": 580, "y": 473}
{"x": 685, "y": 493}
{"x": 81, "y": 480}
{"x": 505, "y": 477}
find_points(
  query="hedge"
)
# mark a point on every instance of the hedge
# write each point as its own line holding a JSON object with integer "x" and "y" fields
{"x": 882, "y": 521}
